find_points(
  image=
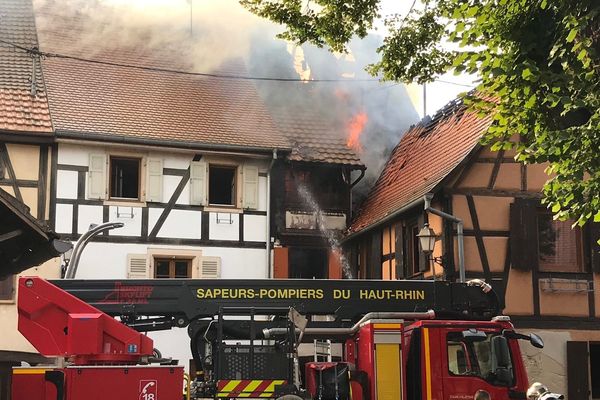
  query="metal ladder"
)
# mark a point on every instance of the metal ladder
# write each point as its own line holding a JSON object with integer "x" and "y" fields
{"x": 322, "y": 350}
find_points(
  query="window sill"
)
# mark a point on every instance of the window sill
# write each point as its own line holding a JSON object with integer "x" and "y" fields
{"x": 224, "y": 209}
{"x": 7, "y": 301}
{"x": 124, "y": 203}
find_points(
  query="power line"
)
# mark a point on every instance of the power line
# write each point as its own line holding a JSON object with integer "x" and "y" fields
{"x": 37, "y": 52}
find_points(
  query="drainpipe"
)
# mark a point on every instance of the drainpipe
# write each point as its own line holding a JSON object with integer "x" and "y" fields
{"x": 459, "y": 234}
{"x": 268, "y": 229}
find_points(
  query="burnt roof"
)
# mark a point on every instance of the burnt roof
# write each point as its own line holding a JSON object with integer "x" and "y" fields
{"x": 427, "y": 153}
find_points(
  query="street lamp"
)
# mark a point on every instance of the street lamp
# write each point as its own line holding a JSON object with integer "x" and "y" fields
{"x": 427, "y": 239}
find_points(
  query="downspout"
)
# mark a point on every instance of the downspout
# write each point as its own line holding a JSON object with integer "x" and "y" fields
{"x": 459, "y": 234}
{"x": 268, "y": 229}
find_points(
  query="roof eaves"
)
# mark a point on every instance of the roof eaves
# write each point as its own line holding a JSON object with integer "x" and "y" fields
{"x": 122, "y": 139}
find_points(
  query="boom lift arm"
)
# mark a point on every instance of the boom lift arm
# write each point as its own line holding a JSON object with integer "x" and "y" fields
{"x": 177, "y": 302}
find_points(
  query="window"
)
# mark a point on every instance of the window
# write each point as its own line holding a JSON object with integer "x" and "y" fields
{"x": 480, "y": 354}
{"x": 559, "y": 246}
{"x": 7, "y": 288}
{"x": 124, "y": 178}
{"x": 172, "y": 268}
{"x": 221, "y": 185}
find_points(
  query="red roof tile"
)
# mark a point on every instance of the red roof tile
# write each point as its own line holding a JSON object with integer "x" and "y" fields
{"x": 131, "y": 103}
{"x": 426, "y": 154}
{"x": 21, "y": 109}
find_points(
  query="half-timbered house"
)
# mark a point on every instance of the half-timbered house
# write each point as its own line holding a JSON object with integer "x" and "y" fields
{"x": 545, "y": 272}
{"x": 25, "y": 152}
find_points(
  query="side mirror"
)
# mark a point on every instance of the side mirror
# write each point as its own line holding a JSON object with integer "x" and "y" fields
{"x": 536, "y": 341}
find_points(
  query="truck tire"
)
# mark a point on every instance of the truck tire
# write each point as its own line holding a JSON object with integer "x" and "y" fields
{"x": 290, "y": 397}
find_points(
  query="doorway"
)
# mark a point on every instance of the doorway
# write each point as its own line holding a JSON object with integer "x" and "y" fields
{"x": 308, "y": 263}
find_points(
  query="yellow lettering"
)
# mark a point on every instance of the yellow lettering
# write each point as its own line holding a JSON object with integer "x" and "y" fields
{"x": 319, "y": 293}
{"x": 200, "y": 293}
{"x": 420, "y": 295}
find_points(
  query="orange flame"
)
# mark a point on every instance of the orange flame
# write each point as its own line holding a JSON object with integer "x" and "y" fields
{"x": 355, "y": 129}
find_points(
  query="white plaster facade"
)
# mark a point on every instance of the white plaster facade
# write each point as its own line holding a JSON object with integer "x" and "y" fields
{"x": 174, "y": 226}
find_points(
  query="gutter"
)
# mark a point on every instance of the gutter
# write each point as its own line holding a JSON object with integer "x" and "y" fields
{"x": 268, "y": 228}
{"x": 106, "y": 138}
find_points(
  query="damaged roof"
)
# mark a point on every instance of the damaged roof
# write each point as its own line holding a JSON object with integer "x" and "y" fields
{"x": 316, "y": 140}
{"x": 111, "y": 101}
{"x": 23, "y": 103}
{"x": 426, "y": 154}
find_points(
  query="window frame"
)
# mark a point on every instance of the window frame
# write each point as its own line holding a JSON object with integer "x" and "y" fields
{"x": 172, "y": 261}
{"x": 579, "y": 243}
{"x": 140, "y": 160}
{"x": 234, "y": 189}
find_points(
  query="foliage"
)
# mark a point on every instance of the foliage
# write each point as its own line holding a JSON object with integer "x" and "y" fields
{"x": 538, "y": 63}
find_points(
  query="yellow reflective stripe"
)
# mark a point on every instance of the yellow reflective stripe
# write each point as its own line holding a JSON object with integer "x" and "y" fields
{"x": 247, "y": 391}
{"x": 266, "y": 395}
{"x": 427, "y": 363}
{"x": 29, "y": 371}
{"x": 230, "y": 386}
{"x": 387, "y": 326}
{"x": 223, "y": 394}
{"x": 271, "y": 387}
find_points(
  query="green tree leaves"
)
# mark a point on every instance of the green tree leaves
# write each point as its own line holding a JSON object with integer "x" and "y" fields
{"x": 538, "y": 60}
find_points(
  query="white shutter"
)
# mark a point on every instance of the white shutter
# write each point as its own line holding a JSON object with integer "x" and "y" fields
{"x": 97, "y": 176}
{"x": 198, "y": 183}
{"x": 210, "y": 268}
{"x": 250, "y": 189}
{"x": 137, "y": 266}
{"x": 154, "y": 179}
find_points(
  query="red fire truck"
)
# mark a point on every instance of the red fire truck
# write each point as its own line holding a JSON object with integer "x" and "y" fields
{"x": 413, "y": 340}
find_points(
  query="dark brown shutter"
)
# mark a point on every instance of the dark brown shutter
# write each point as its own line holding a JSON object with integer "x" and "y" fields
{"x": 7, "y": 288}
{"x": 281, "y": 262}
{"x": 375, "y": 256}
{"x": 594, "y": 236}
{"x": 524, "y": 234}
{"x": 578, "y": 371}
{"x": 399, "y": 250}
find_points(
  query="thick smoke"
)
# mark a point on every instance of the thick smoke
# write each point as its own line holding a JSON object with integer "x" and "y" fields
{"x": 204, "y": 36}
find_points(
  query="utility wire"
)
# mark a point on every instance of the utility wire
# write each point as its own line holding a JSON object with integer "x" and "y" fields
{"x": 37, "y": 52}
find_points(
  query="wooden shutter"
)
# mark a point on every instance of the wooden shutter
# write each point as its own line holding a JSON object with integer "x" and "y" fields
{"x": 198, "y": 183}
{"x": 524, "y": 234}
{"x": 375, "y": 256}
{"x": 210, "y": 268}
{"x": 281, "y": 262}
{"x": 334, "y": 265}
{"x": 154, "y": 179}
{"x": 399, "y": 251}
{"x": 578, "y": 371}
{"x": 594, "y": 235}
{"x": 137, "y": 267}
{"x": 97, "y": 176}
{"x": 250, "y": 188}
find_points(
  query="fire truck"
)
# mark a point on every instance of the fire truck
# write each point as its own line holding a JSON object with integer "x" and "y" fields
{"x": 410, "y": 339}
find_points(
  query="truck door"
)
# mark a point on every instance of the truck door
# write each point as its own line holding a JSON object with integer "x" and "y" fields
{"x": 476, "y": 364}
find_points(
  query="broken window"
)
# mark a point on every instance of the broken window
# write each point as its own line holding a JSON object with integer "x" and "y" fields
{"x": 559, "y": 245}
{"x": 124, "y": 178}
{"x": 221, "y": 185}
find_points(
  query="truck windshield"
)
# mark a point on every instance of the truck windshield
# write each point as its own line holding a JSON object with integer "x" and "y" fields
{"x": 485, "y": 355}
